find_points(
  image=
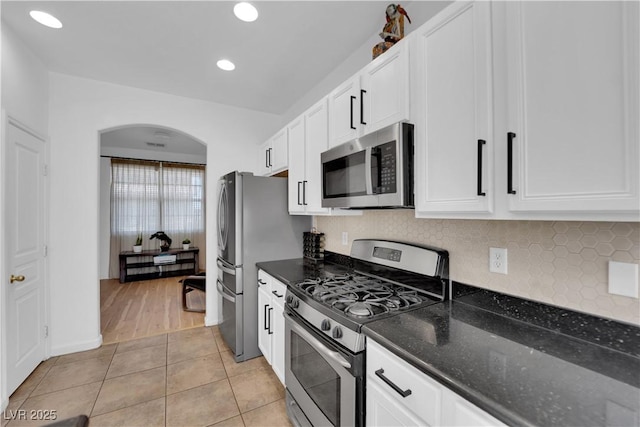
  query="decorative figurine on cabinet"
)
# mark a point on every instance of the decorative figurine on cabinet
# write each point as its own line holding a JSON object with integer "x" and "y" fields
{"x": 393, "y": 30}
{"x": 166, "y": 240}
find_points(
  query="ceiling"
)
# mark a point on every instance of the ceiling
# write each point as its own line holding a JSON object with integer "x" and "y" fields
{"x": 173, "y": 46}
{"x": 152, "y": 138}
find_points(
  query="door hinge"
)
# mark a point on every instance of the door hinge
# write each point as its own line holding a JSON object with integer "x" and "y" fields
{"x": 45, "y": 170}
{"x": 45, "y": 251}
{"x": 46, "y": 331}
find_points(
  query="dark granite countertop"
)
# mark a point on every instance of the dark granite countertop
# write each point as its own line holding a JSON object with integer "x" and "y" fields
{"x": 523, "y": 362}
{"x": 291, "y": 271}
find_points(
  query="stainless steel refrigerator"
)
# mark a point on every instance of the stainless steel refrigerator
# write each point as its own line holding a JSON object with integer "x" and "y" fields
{"x": 254, "y": 225}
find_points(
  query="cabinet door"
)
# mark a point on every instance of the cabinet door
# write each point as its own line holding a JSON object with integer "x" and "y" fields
{"x": 316, "y": 139}
{"x": 573, "y": 105}
{"x": 296, "y": 165}
{"x": 454, "y": 144}
{"x": 384, "y": 96}
{"x": 263, "y": 160}
{"x": 383, "y": 410}
{"x": 345, "y": 112}
{"x": 458, "y": 412}
{"x": 425, "y": 397}
{"x": 279, "y": 152}
{"x": 264, "y": 321}
{"x": 277, "y": 342}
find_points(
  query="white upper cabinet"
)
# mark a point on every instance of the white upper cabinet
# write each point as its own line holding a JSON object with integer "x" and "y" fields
{"x": 376, "y": 97}
{"x": 308, "y": 138}
{"x": 317, "y": 139}
{"x": 344, "y": 114}
{"x": 572, "y": 106}
{"x": 453, "y": 114}
{"x": 279, "y": 152}
{"x": 384, "y": 92}
{"x": 296, "y": 165}
{"x": 264, "y": 151}
{"x": 273, "y": 155}
{"x": 528, "y": 110}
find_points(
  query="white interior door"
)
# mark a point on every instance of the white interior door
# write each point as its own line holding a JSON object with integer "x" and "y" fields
{"x": 25, "y": 240}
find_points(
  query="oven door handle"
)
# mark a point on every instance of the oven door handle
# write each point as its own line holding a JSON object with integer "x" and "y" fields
{"x": 367, "y": 170}
{"x": 317, "y": 345}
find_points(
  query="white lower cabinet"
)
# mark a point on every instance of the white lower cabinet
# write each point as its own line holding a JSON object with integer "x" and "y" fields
{"x": 398, "y": 394}
{"x": 271, "y": 321}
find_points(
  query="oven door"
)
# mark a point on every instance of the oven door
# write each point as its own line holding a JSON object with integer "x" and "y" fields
{"x": 319, "y": 377}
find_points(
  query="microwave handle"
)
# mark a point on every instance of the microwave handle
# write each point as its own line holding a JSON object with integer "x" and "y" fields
{"x": 367, "y": 170}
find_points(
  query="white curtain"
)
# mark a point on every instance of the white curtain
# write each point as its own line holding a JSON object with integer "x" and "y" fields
{"x": 149, "y": 196}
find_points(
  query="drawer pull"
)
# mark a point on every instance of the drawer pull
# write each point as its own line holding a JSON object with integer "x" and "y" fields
{"x": 402, "y": 393}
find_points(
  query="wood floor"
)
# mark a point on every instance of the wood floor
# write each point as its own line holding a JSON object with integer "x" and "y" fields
{"x": 149, "y": 307}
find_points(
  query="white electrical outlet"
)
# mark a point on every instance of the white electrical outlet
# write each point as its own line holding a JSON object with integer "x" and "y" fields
{"x": 345, "y": 238}
{"x": 498, "y": 260}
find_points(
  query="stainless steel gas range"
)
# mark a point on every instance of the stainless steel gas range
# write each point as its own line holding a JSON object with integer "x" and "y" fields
{"x": 324, "y": 346}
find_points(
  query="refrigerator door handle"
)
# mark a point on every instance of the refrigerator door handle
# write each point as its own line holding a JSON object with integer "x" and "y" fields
{"x": 222, "y": 292}
{"x": 221, "y": 266}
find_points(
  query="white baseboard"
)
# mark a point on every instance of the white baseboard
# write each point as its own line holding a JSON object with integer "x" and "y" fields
{"x": 76, "y": 347}
{"x": 208, "y": 321}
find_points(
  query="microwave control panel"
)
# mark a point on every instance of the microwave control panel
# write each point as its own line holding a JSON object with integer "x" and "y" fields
{"x": 384, "y": 168}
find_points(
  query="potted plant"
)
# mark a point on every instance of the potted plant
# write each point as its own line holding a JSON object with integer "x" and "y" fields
{"x": 185, "y": 243}
{"x": 137, "y": 248}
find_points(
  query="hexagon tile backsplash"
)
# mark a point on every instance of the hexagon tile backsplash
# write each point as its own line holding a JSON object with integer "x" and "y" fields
{"x": 562, "y": 263}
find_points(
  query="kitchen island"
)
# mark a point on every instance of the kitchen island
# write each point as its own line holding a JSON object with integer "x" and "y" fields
{"x": 522, "y": 362}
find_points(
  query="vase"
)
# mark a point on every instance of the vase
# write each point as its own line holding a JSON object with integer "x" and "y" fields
{"x": 137, "y": 249}
{"x": 185, "y": 246}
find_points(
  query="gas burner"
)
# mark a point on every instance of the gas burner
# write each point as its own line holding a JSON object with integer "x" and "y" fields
{"x": 365, "y": 309}
{"x": 360, "y": 296}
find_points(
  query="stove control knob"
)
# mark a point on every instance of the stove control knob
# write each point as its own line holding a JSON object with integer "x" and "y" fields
{"x": 325, "y": 325}
{"x": 337, "y": 332}
{"x": 292, "y": 301}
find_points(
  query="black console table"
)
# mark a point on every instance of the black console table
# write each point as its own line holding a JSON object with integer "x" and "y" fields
{"x": 144, "y": 265}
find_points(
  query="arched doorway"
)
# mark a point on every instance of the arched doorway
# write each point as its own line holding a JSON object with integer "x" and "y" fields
{"x": 143, "y": 157}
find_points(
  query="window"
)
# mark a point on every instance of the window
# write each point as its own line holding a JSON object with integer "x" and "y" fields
{"x": 155, "y": 196}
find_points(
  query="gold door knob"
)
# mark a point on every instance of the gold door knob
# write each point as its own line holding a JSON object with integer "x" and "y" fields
{"x": 17, "y": 278}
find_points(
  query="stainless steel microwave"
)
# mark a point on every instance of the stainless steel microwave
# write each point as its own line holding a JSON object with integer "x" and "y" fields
{"x": 374, "y": 171}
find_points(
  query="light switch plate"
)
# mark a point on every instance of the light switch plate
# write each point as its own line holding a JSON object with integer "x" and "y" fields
{"x": 623, "y": 279}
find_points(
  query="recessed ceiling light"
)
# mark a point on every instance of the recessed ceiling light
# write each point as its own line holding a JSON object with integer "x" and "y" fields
{"x": 245, "y": 12}
{"x": 225, "y": 64}
{"x": 46, "y": 19}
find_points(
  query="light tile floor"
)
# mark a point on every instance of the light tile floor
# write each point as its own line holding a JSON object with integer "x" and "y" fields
{"x": 185, "y": 378}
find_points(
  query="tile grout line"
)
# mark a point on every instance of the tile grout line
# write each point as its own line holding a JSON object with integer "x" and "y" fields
{"x": 102, "y": 384}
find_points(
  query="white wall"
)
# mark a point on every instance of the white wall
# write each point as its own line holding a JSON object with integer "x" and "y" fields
{"x": 79, "y": 110}
{"x": 24, "y": 94}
